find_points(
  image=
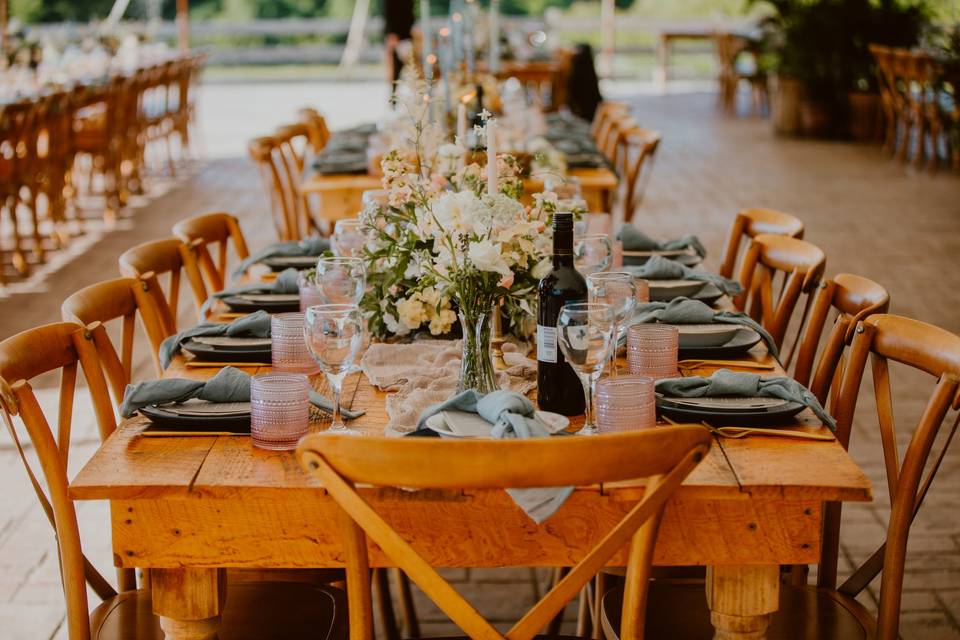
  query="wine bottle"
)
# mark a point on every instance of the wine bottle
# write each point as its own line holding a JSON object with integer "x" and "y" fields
{"x": 558, "y": 387}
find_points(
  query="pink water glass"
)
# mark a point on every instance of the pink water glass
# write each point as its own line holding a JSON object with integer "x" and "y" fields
{"x": 652, "y": 350}
{"x": 288, "y": 347}
{"x": 626, "y": 403}
{"x": 643, "y": 290}
{"x": 279, "y": 410}
{"x": 310, "y": 293}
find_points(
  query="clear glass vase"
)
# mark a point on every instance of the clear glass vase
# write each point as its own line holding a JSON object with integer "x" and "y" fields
{"x": 476, "y": 367}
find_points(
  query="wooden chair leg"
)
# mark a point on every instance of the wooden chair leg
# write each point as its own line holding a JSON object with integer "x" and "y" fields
{"x": 583, "y": 614}
{"x": 381, "y": 594}
{"x": 556, "y": 576}
{"x": 411, "y": 624}
{"x": 599, "y": 587}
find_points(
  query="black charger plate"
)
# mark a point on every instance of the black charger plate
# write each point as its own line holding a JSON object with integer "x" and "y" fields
{"x": 279, "y": 263}
{"x": 741, "y": 342}
{"x": 167, "y": 421}
{"x": 709, "y": 294}
{"x": 218, "y": 354}
{"x": 237, "y": 303}
{"x": 726, "y": 417}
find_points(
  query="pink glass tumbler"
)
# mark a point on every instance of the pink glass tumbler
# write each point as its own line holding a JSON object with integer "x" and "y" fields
{"x": 279, "y": 410}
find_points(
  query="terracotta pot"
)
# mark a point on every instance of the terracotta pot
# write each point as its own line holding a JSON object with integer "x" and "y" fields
{"x": 785, "y": 95}
{"x": 865, "y": 115}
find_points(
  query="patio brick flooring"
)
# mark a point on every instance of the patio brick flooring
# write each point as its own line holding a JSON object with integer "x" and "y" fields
{"x": 871, "y": 216}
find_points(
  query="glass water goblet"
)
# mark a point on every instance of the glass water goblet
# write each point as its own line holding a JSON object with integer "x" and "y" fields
{"x": 334, "y": 335}
{"x": 349, "y": 238}
{"x": 585, "y": 337}
{"x": 619, "y": 290}
{"x": 593, "y": 253}
{"x": 341, "y": 280}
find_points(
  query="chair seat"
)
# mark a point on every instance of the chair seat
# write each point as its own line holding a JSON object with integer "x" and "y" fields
{"x": 253, "y": 611}
{"x": 678, "y": 610}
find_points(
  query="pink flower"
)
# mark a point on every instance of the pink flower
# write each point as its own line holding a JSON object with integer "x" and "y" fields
{"x": 506, "y": 281}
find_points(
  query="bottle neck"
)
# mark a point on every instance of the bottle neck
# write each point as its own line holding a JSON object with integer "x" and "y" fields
{"x": 563, "y": 248}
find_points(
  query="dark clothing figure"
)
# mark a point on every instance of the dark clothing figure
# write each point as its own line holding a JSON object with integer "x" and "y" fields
{"x": 397, "y": 27}
{"x": 583, "y": 87}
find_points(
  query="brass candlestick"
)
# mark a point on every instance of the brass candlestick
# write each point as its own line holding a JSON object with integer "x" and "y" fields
{"x": 497, "y": 339}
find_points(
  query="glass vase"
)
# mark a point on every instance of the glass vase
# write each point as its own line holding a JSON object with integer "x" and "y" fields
{"x": 476, "y": 366}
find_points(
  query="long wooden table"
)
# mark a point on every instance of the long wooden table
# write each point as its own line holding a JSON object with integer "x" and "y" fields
{"x": 340, "y": 194}
{"x": 188, "y": 507}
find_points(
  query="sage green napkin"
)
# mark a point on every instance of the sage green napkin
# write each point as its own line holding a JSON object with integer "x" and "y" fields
{"x": 286, "y": 282}
{"x": 254, "y": 325}
{"x": 744, "y": 385}
{"x": 305, "y": 247}
{"x": 687, "y": 311}
{"x": 660, "y": 268}
{"x": 229, "y": 385}
{"x": 512, "y": 416}
{"x": 635, "y": 240}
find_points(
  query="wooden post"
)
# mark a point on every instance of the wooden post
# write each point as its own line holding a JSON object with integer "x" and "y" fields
{"x": 607, "y": 37}
{"x": 188, "y": 601}
{"x": 742, "y": 599}
{"x": 183, "y": 25}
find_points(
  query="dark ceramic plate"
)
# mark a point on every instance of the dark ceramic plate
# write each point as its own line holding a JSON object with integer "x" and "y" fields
{"x": 727, "y": 417}
{"x": 243, "y": 305}
{"x": 169, "y": 421}
{"x": 709, "y": 294}
{"x": 740, "y": 343}
{"x": 279, "y": 263}
{"x": 231, "y": 354}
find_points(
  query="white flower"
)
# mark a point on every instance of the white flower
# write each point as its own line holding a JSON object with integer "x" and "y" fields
{"x": 411, "y": 312}
{"x": 393, "y": 326}
{"x": 487, "y": 256}
{"x": 542, "y": 268}
{"x": 456, "y": 212}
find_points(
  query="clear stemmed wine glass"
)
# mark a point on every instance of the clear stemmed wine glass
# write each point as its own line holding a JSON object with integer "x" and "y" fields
{"x": 334, "y": 335}
{"x": 349, "y": 237}
{"x": 585, "y": 336}
{"x": 619, "y": 290}
{"x": 593, "y": 253}
{"x": 341, "y": 280}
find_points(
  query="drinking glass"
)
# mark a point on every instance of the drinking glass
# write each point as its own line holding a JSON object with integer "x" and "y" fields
{"x": 279, "y": 410}
{"x": 288, "y": 348}
{"x": 626, "y": 404}
{"x": 593, "y": 253}
{"x": 619, "y": 290}
{"x": 566, "y": 187}
{"x": 334, "y": 335}
{"x": 310, "y": 293}
{"x": 585, "y": 336}
{"x": 652, "y": 350}
{"x": 349, "y": 237}
{"x": 341, "y": 280}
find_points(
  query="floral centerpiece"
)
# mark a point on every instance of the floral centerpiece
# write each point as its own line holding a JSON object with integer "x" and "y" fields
{"x": 452, "y": 241}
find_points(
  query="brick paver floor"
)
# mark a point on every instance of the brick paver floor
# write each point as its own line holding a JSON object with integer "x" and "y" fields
{"x": 871, "y": 216}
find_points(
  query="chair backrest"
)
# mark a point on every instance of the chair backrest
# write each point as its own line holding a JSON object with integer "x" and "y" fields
{"x": 284, "y": 199}
{"x": 751, "y": 223}
{"x": 60, "y": 346}
{"x": 771, "y": 303}
{"x": 220, "y": 229}
{"x": 168, "y": 256}
{"x": 883, "y": 338}
{"x": 640, "y": 152}
{"x": 121, "y": 298}
{"x": 602, "y": 117}
{"x": 854, "y": 298}
{"x": 663, "y": 456}
{"x": 317, "y": 131}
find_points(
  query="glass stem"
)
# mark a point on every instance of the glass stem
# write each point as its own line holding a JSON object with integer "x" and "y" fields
{"x": 616, "y": 347}
{"x": 335, "y": 385}
{"x": 588, "y": 382}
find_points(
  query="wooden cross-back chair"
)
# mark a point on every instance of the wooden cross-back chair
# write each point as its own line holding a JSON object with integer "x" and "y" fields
{"x": 122, "y": 299}
{"x": 801, "y": 265}
{"x": 317, "y": 131}
{"x": 853, "y": 298}
{"x": 285, "y": 205}
{"x": 602, "y": 118}
{"x": 639, "y": 154}
{"x": 294, "y": 145}
{"x": 253, "y": 611}
{"x": 751, "y": 223}
{"x": 663, "y": 456}
{"x": 220, "y": 229}
{"x": 170, "y": 257}
{"x": 889, "y": 97}
{"x": 882, "y": 338}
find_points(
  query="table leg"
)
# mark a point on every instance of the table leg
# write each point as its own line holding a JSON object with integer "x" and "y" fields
{"x": 742, "y": 599}
{"x": 188, "y": 601}
{"x": 663, "y": 61}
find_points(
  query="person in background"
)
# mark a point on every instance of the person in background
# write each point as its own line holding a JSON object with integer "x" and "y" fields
{"x": 397, "y": 34}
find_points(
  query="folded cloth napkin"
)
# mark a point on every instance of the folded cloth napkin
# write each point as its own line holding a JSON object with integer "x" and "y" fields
{"x": 286, "y": 282}
{"x": 746, "y": 385}
{"x": 687, "y": 311}
{"x": 660, "y": 268}
{"x": 635, "y": 240}
{"x": 255, "y": 325}
{"x": 512, "y": 416}
{"x": 229, "y": 385}
{"x": 305, "y": 247}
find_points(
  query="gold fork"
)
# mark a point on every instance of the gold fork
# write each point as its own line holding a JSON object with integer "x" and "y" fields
{"x": 742, "y": 432}
{"x": 742, "y": 364}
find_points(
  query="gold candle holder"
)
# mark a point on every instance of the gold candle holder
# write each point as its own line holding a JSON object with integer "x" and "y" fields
{"x": 497, "y": 339}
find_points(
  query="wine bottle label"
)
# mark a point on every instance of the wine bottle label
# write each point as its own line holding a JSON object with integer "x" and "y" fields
{"x": 546, "y": 344}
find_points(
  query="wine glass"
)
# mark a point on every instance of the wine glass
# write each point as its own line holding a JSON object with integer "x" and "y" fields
{"x": 566, "y": 187}
{"x": 619, "y": 290}
{"x": 349, "y": 238}
{"x": 593, "y": 253}
{"x": 585, "y": 336}
{"x": 341, "y": 280}
{"x": 334, "y": 335}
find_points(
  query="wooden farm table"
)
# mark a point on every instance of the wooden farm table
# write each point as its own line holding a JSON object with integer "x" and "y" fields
{"x": 189, "y": 507}
{"x": 340, "y": 195}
